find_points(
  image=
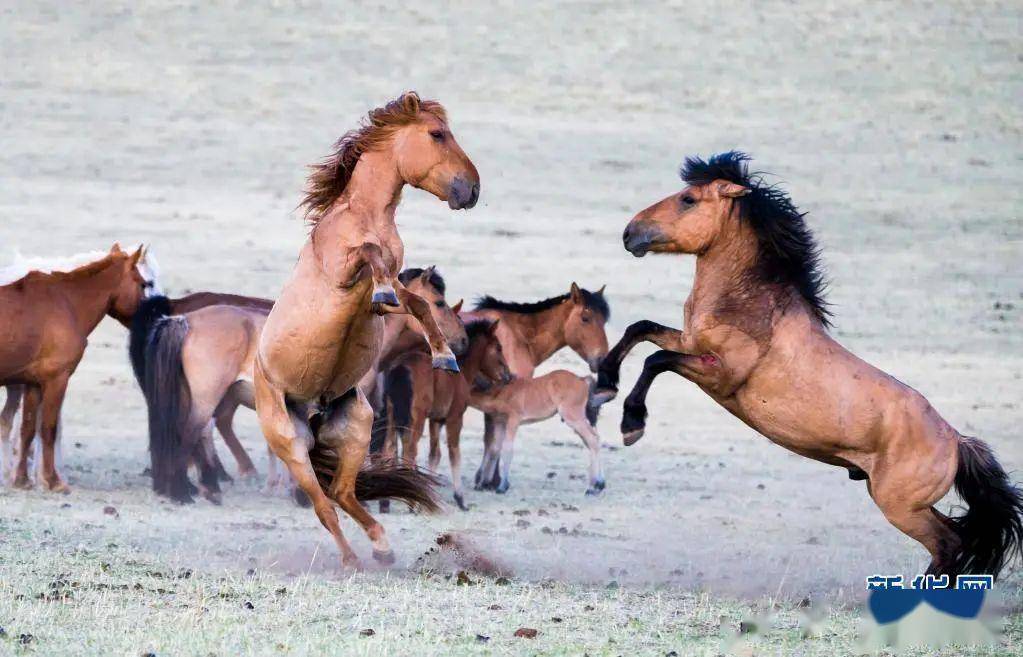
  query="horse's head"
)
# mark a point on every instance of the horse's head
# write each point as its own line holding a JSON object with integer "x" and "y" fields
{"x": 429, "y": 158}
{"x": 429, "y": 284}
{"x": 486, "y": 355}
{"x": 686, "y": 222}
{"x": 584, "y": 328}
{"x": 132, "y": 285}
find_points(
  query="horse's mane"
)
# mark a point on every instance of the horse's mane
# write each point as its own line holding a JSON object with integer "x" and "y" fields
{"x": 412, "y": 273}
{"x": 788, "y": 253}
{"x": 73, "y": 266}
{"x": 330, "y": 177}
{"x": 595, "y": 301}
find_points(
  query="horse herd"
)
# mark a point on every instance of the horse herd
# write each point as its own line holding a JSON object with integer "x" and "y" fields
{"x": 357, "y": 354}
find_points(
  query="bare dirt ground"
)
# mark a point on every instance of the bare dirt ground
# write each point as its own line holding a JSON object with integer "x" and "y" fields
{"x": 897, "y": 127}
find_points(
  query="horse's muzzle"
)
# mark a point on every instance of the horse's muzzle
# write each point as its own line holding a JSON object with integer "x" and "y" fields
{"x": 638, "y": 240}
{"x": 463, "y": 194}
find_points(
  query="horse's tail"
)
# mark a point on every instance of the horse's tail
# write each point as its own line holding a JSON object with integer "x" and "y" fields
{"x": 168, "y": 400}
{"x": 381, "y": 478}
{"x": 150, "y": 311}
{"x": 592, "y": 404}
{"x": 991, "y": 530}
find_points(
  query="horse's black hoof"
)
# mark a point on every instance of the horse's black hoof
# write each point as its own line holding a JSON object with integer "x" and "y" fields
{"x": 385, "y": 506}
{"x": 856, "y": 474}
{"x": 385, "y": 297}
{"x": 449, "y": 363}
{"x": 384, "y": 558}
{"x": 460, "y": 501}
{"x": 502, "y": 487}
{"x": 604, "y": 395}
{"x": 630, "y": 438}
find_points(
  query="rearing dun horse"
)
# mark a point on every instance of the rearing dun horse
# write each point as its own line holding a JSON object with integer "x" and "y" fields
{"x": 325, "y": 329}
{"x": 755, "y": 339}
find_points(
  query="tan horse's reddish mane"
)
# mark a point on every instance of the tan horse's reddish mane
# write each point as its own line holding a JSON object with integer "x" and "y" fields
{"x": 329, "y": 178}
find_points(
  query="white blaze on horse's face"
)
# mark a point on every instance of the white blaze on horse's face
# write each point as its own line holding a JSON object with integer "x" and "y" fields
{"x": 686, "y": 222}
{"x": 429, "y": 158}
{"x": 149, "y": 270}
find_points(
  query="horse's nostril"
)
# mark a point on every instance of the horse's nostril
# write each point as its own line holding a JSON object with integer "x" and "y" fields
{"x": 626, "y": 235}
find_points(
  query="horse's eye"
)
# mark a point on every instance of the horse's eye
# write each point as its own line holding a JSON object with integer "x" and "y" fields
{"x": 438, "y": 135}
{"x": 586, "y": 320}
{"x": 688, "y": 200}
{"x": 440, "y": 304}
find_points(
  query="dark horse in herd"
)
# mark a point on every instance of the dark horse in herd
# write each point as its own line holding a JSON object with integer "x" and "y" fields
{"x": 353, "y": 335}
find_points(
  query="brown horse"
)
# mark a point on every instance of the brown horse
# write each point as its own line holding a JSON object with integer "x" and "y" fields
{"x": 47, "y": 318}
{"x": 755, "y": 339}
{"x": 443, "y": 399}
{"x": 324, "y": 332}
{"x": 206, "y": 364}
{"x": 530, "y": 333}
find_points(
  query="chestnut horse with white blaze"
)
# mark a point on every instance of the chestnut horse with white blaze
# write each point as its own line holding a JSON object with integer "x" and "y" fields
{"x": 325, "y": 329}
{"x": 45, "y": 320}
{"x": 754, "y": 337}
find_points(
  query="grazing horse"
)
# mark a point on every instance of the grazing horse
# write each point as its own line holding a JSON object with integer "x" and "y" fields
{"x": 755, "y": 339}
{"x": 443, "y": 399}
{"x": 324, "y": 333}
{"x": 530, "y": 334}
{"x": 46, "y": 317}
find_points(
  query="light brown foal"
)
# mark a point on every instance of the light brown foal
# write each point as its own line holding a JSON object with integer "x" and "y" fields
{"x": 45, "y": 321}
{"x": 324, "y": 332}
{"x": 755, "y": 339}
{"x": 530, "y": 333}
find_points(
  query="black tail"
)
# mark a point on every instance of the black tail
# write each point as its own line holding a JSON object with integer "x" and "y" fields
{"x": 592, "y": 405}
{"x": 381, "y": 478}
{"x": 991, "y": 530}
{"x": 169, "y": 403}
{"x": 150, "y": 310}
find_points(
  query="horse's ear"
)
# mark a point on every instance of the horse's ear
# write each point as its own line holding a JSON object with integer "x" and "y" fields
{"x": 137, "y": 256}
{"x": 116, "y": 248}
{"x": 457, "y": 308}
{"x": 601, "y": 290}
{"x": 493, "y": 326}
{"x": 427, "y": 274}
{"x": 732, "y": 190}
{"x": 576, "y": 293}
{"x": 410, "y": 102}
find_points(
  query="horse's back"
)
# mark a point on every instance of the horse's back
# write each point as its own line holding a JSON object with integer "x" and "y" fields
{"x": 38, "y": 334}
{"x": 221, "y": 343}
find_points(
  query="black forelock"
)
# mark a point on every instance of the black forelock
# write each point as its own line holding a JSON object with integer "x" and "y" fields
{"x": 477, "y": 327}
{"x": 412, "y": 273}
{"x": 788, "y": 252}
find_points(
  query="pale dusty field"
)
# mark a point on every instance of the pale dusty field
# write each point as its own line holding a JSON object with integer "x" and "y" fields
{"x": 897, "y": 126}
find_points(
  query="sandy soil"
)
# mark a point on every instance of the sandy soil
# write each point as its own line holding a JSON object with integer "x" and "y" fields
{"x": 897, "y": 127}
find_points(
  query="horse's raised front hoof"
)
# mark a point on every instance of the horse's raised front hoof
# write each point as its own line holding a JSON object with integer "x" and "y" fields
{"x": 630, "y": 438}
{"x": 445, "y": 362}
{"x": 460, "y": 501}
{"x": 633, "y": 423}
{"x": 385, "y": 296}
{"x": 385, "y": 506}
{"x": 856, "y": 474}
{"x": 384, "y": 557}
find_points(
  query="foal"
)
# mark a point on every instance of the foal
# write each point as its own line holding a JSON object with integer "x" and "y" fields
{"x": 443, "y": 399}
{"x": 46, "y": 318}
{"x": 324, "y": 332}
{"x": 755, "y": 339}
{"x": 530, "y": 334}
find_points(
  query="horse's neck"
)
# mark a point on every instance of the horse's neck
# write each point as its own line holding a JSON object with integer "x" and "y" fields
{"x": 543, "y": 333}
{"x": 473, "y": 362}
{"x": 373, "y": 193}
{"x": 90, "y": 295}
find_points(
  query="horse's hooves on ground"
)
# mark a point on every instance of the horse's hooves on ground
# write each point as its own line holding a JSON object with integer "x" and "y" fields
{"x": 632, "y": 437}
{"x": 217, "y": 499}
{"x": 385, "y": 506}
{"x": 22, "y": 484}
{"x": 384, "y": 558}
{"x": 460, "y": 501}
{"x": 502, "y": 488}
{"x": 301, "y": 498}
{"x": 597, "y": 487}
{"x": 351, "y": 563}
{"x": 448, "y": 363}
{"x": 248, "y": 474}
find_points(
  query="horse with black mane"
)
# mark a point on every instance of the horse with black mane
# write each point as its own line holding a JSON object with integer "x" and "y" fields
{"x": 755, "y": 338}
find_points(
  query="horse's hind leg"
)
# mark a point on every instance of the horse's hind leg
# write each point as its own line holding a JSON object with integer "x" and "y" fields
{"x": 489, "y": 477}
{"x": 347, "y": 427}
{"x": 507, "y": 435}
{"x": 488, "y": 438}
{"x": 210, "y": 468}
{"x": 29, "y": 426}
{"x": 52, "y": 399}
{"x": 289, "y": 437}
{"x": 453, "y": 431}
{"x": 434, "y": 460}
{"x": 7, "y": 451}
{"x": 239, "y": 393}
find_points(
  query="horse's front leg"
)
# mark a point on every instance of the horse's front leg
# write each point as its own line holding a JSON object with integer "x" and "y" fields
{"x": 634, "y": 412}
{"x": 418, "y": 307}
{"x": 609, "y": 371}
{"x": 371, "y": 255}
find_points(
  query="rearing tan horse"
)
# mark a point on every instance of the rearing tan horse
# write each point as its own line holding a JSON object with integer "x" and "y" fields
{"x": 755, "y": 339}
{"x": 324, "y": 331}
